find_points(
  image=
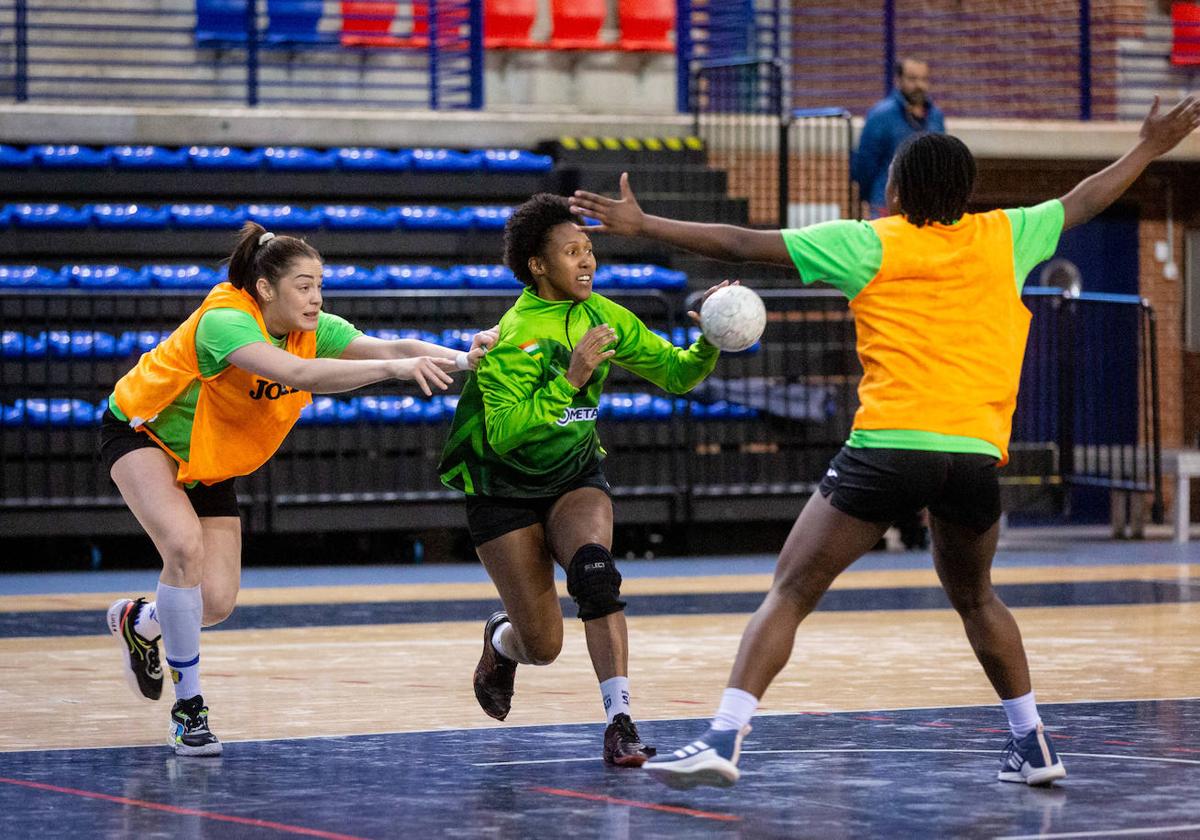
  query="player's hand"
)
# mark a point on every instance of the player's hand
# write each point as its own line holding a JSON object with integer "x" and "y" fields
{"x": 1162, "y": 132}
{"x": 427, "y": 371}
{"x": 486, "y": 338}
{"x": 589, "y": 353}
{"x": 695, "y": 315}
{"x": 481, "y": 342}
{"x": 621, "y": 216}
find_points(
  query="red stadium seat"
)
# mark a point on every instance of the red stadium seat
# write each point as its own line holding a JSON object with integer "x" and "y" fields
{"x": 646, "y": 25}
{"x": 1185, "y": 46}
{"x": 576, "y": 24}
{"x": 507, "y": 24}
{"x": 368, "y": 23}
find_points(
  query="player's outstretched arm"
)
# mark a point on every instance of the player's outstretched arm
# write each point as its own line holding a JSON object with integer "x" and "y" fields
{"x": 1160, "y": 133}
{"x": 624, "y": 217}
{"x": 331, "y": 376}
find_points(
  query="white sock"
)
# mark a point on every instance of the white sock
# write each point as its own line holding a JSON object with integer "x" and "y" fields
{"x": 615, "y": 692}
{"x": 504, "y": 641}
{"x": 179, "y": 612}
{"x": 736, "y": 709}
{"x": 1022, "y": 714}
{"x": 146, "y": 625}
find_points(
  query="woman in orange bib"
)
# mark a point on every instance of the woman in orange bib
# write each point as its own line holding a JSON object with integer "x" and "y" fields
{"x": 212, "y": 402}
{"x": 941, "y": 330}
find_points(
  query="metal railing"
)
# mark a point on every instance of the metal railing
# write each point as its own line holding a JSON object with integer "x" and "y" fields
{"x": 1021, "y": 60}
{"x": 251, "y": 52}
{"x": 792, "y": 166}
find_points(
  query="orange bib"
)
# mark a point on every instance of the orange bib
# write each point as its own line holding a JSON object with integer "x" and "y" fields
{"x": 241, "y": 418}
{"x": 942, "y": 330}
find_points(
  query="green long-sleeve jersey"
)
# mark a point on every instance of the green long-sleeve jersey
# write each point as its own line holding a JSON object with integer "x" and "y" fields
{"x": 521, "y": 430}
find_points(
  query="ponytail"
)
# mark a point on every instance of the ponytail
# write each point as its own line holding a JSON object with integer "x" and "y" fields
{"x": 260, "y": 253}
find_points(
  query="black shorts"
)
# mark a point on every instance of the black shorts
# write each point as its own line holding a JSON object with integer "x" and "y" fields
{"x": 884, "y": 485}
{"x": 117, "y": 439}
{"x": 489, "y": 517}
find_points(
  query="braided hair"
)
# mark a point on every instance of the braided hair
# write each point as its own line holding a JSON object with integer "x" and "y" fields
{"x": 934, "y": 175}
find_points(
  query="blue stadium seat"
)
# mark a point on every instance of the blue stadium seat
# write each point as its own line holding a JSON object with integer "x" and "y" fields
{"x": 446, "y": 160}
{"x": 357, "y": 217}
{"x": 105, "y": 277}
{"x": 287, "y": 217}
{"x": 299, "y": 159}
{"x": 59, "y": 216}
{"x": 12, "y": 344}
{"x": 14, "y": 158}
{"x": 136, "y": 342}
{"x": 54, "y": 156}
{"x": 487, "y": 277}
{"x": 351, "y": 277}
{"x": 30, "y": 277}
{"x": 489, "y": 217}
{"x": 131, "y": 216}
{"x": 56, "y": 411}
{"x": 604, "y": 279}
{"x": 148, "y": 157}
{"x": 457, "y": 339}
{"x": 432, "y": 218}
{"x": 373, "y": 160}
{"x": 207, "y": 216}
{"x": 12, "y": 414}
{"x": 92, "y": 344}
{"x": 220, "y": 23}
{"x": 293, "y": 22}
{"x": 328, "y": 411}
{"x": 516, "y": 160}
{"x": 224, "y": 157}
{"x": 417, "y": 277}
{"x": 397, "y": 335}
{"x": 180, "y": 276}
{"x": 647, "y": 277}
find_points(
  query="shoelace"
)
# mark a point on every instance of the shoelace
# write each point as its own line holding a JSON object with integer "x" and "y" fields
{"x": 1010, "y": 749}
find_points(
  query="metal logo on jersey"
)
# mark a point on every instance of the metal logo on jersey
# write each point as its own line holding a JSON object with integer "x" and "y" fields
{"x": 577, "y": 415}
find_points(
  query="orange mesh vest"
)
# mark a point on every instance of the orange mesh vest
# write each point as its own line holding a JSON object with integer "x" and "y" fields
{"x": 942, "y": 330}
{"x": 239, "y": 423}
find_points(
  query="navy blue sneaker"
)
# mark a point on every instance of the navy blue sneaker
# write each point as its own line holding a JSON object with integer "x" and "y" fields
{"x": 1031, "y": 760}
{"x": 709, "y": 760}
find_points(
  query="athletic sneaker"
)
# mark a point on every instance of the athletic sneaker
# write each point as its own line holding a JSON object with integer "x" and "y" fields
{"x": 622, "y": 744}
{"x": 1031, "y": 760}
{"x": 495, "y": 673}
{"x": 709, "y": 760}
{"x": 190, "y": 734}
{"x": 143, "y": 671}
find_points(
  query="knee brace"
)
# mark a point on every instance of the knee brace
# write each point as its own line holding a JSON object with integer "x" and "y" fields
{"x": 594, "y": 582}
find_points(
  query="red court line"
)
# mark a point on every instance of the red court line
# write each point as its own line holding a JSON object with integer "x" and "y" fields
{"x": 651, "y": 806}
{"x": 187, "y": 812}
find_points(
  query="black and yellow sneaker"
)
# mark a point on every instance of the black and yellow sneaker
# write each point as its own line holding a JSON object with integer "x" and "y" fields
{"x": 495, "y": 673}
{"x": 622, "y": 744}
{"x": 190, "y": 734}
{"x": 143, "y": 670}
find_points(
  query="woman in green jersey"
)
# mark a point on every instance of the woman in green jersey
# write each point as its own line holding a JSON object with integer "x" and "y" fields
{"x": 523, "y": 447}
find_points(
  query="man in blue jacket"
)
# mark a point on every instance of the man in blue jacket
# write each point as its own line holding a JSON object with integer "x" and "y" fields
{"x": 906, "y": 110}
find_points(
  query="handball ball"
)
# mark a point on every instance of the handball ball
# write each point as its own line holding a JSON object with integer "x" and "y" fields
{"x": 733, "y": 318}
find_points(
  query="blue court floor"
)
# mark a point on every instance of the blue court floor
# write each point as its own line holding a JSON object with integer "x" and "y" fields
{"x": 1134, "y": 770}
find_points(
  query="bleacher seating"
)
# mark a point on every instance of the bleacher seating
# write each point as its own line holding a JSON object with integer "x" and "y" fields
{"x": 508, "y": 24}
{"x": 576, "y": 25}
{"x": 646, "y": 25}
{"x": 376, "y": 409}
{"x": 274, "y": 158}
{"x": 177, "y": 277}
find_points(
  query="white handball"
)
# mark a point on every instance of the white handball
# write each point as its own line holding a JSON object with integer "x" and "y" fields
{"x": 733, "y": 318}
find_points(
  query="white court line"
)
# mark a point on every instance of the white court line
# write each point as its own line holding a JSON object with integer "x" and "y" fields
{"x": 1116, "y": 832}
{"x": 862, "y": 750}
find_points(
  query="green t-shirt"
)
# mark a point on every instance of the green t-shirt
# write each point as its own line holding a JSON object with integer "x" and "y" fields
{"x": 848, "y": 255}
{"x": 219, "y": 333}
{"x": 521, "y": 429}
